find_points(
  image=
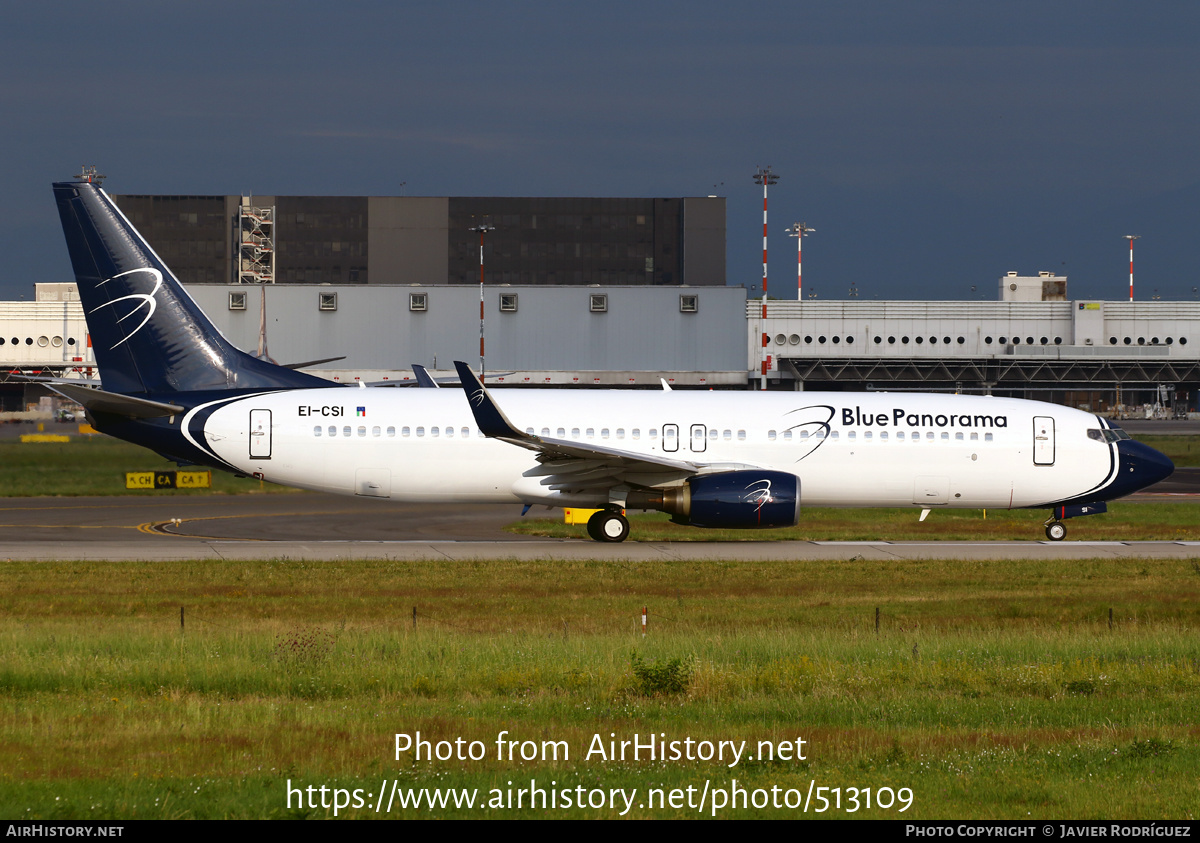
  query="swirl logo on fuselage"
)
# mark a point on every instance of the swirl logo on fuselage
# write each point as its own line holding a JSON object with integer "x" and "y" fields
{"x": 144, "y": 300}
{"x": 811, "y": 426}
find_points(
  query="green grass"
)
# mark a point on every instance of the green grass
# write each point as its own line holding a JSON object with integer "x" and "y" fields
{"x": 96, "y": 465}
{"x": 1123, "y": 522}
{"x": 991, "y": 690}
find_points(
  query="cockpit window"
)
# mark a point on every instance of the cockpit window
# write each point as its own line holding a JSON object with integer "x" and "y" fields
{"x": 1109, "y": 436}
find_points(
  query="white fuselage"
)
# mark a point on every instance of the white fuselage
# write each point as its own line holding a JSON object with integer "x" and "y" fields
{"x": 849, "y": 449}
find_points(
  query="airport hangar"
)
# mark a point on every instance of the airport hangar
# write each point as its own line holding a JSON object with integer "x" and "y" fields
{"x": 598, "y": 293}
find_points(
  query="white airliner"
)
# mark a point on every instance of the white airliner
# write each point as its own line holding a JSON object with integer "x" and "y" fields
{"x": 171, "y": 382}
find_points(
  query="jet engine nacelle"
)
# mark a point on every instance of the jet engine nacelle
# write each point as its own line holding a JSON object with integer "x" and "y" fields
{"x": 736, "y": 500}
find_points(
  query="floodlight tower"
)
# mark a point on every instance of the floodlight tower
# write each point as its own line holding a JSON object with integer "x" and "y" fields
{"x": 765, "y": 177}
{"x": 483, "y": 228}
{"x": 799, "y": 230}
{"x": 1131, "y": 238}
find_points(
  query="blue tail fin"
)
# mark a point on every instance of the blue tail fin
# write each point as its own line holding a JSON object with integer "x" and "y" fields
{"x": 148, "y": 335}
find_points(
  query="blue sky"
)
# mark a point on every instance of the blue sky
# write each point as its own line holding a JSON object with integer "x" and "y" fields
{"x": 932, "y": 145}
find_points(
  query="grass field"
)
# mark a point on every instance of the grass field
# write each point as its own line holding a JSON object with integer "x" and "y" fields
{"x": 96, "y": 465}
{"x": 1124, "y": 521}
{"x": 990, "y": 690}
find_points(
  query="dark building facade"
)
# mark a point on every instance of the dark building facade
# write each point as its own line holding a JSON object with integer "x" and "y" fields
{"x": 429, "y": 240}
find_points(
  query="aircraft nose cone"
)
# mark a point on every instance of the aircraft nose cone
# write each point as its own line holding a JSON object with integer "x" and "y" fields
{"x": 1141, "y": 466}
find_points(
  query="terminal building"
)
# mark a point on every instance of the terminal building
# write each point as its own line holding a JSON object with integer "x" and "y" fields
{"x": 387, "y": 240}
{"x": 1093, "y": 354}
{"x": 596, "y": 293}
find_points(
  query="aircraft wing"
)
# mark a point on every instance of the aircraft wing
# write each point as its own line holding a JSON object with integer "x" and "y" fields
{"x": 569, "y": 465}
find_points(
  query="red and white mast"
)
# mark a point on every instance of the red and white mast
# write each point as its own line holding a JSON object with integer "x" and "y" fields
{"x": 799, "y": 230}
{"x": 1131, "y": 238}
{"x": 765, "y": 177}
{"x": 483, "y": 228}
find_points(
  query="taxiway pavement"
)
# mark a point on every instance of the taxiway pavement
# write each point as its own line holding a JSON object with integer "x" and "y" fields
{"x": 321, "y": 527}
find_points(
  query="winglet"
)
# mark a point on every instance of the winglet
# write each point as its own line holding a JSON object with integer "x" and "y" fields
{"x": 423, "y": 378}
{"x": 490, "y": 418}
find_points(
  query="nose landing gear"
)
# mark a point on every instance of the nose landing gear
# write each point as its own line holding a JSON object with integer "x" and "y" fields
{"x": 1056, "y": 531}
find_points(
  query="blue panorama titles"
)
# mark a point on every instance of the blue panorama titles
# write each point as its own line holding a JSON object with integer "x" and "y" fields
{"x": 857, "y": 418}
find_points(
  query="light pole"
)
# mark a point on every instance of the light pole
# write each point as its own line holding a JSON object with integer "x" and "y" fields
{"x": 1131, "y": 238}
{"x": 483, "y": 228}
{"x": 799, "y": 230}
{"x": 765, "y": 177}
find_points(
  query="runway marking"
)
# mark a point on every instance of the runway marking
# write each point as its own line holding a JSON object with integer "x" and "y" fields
{"x": 159, "y": 528}
{"x": 69, "y": 526}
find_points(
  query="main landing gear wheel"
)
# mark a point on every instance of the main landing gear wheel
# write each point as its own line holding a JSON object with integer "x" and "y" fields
{"x": 1055, "y": 531}
{"x": 608, "y": 525}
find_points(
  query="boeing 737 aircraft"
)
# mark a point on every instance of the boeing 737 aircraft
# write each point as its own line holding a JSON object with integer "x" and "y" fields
{"x": 172, "y": 383}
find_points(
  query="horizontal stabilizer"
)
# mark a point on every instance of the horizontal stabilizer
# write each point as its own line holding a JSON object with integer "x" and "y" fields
{"x": 308, "y": 363}
{"x": 99, "y": 401}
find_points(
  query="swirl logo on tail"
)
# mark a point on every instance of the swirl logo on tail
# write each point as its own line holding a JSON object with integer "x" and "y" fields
{"x": 144, "y": 300}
